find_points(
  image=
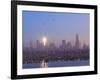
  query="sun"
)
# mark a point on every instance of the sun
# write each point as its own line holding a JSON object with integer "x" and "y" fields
{"x": 44, "y": 40}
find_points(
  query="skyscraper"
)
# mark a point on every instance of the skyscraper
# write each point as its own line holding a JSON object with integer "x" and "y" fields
{"x": 77, "y": 42}
{"x": 63, "y": 46}
{"x": 38, "y": 44}
{"x": 31, "y": 44}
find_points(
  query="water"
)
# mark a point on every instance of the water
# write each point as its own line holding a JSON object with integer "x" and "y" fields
{"x": 59, "y": 64}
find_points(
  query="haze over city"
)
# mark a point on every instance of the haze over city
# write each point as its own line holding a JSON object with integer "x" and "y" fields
{"x": 55, "y": 27}
{"x": 55, "y": 39}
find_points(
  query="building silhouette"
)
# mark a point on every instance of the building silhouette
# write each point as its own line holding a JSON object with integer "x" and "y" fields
{"x": 52, "y": 46}
{"x": 31, "y": 44}
{"x": 69, "y": 45}
{"x": 63, "y": 45}
{"x": 77, "y": 42}
{"x": 39, "y": 45}
{"x": 85, "y": 46}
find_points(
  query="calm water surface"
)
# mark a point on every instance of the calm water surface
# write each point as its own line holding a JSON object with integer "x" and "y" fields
{"x": 58, "y": 64}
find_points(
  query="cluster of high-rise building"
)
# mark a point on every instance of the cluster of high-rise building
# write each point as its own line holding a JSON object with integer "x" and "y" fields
{"x": 64, "y": 44}
{"x": 52, "y": 52}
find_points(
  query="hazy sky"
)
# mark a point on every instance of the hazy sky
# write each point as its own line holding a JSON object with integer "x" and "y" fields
{"x": 55, "y": 26}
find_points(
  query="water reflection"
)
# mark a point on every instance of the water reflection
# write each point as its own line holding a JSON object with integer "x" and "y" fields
{"x": 44, "y": 64}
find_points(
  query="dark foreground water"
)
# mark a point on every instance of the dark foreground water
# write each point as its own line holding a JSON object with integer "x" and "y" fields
{"x": 59, "y": 64}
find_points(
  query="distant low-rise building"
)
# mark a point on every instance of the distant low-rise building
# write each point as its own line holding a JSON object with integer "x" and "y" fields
{"x": 52, "y": 46}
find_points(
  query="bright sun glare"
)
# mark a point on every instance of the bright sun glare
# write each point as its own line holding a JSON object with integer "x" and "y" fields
{"x": 44, "y": 39}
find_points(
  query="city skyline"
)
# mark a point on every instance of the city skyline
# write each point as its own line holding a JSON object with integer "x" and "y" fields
{"x": 55, "y": 26}
{"x": 63, "y": 44}
{"x": 47, "y": 54}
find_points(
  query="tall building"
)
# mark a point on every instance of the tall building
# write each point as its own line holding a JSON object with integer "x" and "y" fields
{"x": 63, "y": 44}
{"x": 69, "y": 45}
{"x": 30, "y": 44}
{"x": 38, "y": 44}
{"x": 77, "y": 42}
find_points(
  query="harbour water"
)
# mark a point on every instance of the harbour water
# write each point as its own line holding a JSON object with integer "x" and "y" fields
{"x": 57, "y": 64}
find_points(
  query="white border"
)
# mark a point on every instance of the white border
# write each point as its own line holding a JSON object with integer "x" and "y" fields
{"x": 21, "y": 71}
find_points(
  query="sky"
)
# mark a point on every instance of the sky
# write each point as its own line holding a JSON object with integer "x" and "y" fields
{"x": 56, "y": 26}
